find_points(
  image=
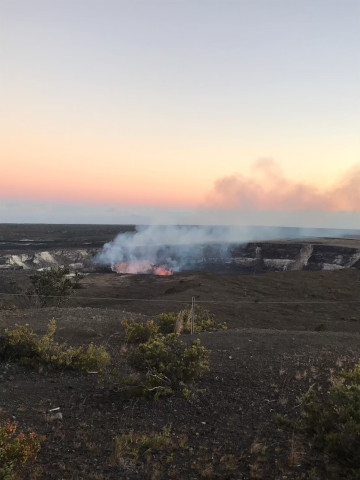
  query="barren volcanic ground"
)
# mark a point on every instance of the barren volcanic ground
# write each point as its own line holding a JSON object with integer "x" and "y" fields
{"x": 286, "y": 331}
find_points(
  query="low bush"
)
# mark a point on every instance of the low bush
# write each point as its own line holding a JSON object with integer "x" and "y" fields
{"x": 54, "y": 286}
{"x": 148, "y": 455}
{"x": 15, "y": 449}
{"x": 93, "y": 357}
{"x": 330, "y": 425}
{"x": 166, "y": 322}
{"x": 204, "y": 320}
{"x": 23, "y": 345}
{"x": 171, "y": 322}
{"x": 138, "y": 332}
{"x": 134, "y": 446}
{"x": 168, "y": 364}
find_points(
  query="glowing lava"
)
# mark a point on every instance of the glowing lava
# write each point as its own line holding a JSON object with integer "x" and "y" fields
{"x": 141, "y": 266}
{"x": 162, "y": 271}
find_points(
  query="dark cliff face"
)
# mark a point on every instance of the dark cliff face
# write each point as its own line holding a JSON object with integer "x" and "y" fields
{"x": 254, "y": 257}
{"x": 261, "y": 257}
{"x": 332, "y": 257}
{"x": 264, "y": 257}
{"x": 35, "y": 247}
{"x": 357, "y": 265}
{"x": 268, "y": 250}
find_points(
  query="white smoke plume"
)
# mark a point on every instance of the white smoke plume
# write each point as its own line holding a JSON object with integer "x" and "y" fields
{"x": 162, "y": 250}
{"x": 152, "y": 248}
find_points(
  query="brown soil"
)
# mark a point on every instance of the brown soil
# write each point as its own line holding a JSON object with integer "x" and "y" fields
{"x": 268, "y": 357}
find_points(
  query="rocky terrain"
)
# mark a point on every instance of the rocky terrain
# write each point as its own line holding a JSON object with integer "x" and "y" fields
{"x": 312, "y": 254}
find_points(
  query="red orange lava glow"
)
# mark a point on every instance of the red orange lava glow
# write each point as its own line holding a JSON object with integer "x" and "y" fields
{"x": 141, "y": 266}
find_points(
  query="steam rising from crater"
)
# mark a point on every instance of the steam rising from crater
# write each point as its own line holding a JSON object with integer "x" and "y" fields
{"x": 162, "y": 250}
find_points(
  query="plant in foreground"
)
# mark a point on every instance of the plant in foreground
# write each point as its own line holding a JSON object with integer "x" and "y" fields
{"x": 180, "y": 322}
{"x": 135, "y": 445}
{"x": 330, "y": 425}
{"x": 23, "y": 345}
{"x": 171, "y": 322}
{"x": 54, "y": 286}
{"x": 168, "y": 363}
{"x": 15, "y": 449}
{"x": 138, "y": 332}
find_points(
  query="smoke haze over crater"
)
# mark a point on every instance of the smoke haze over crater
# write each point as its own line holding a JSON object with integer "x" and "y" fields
{"x": 160, "y": 249}
{"x": 162, "y": 245}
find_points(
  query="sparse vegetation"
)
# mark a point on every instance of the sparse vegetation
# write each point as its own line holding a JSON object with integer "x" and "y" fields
{"x": 15, "y": 449}
{"x": 54, "y": 286}
{"x": 150, "y": 454}
{"x": 137, "y": 445}
{"x": 204, "y": 320}
{"x": 138, "y": 332}
{"x": 168, "y": 364}
{"x": 166, "y": 322}
{"x": 21, "y": 344}
{"x": 330, "y": 425}
{"x": 6, "y": 305}
{"x": 171, "y": 322}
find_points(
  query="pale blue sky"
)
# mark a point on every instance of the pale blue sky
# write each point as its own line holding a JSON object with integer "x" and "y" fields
{"x": 179, "y": 93}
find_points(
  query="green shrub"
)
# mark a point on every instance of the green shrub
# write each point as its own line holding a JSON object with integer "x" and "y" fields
{"x": 331, "y": 427}
{"x": 166, "y": 322}
{"x": 168, "y": 363}
{"x": 94, "y": 357}
{"x": 138, "y": 332}
{"x": 180, "y": 322}
{"x": 171, "y": 322}
{"x": 15, "y": 450}
{"x": 23, "y": 345}
{"x": 54, "y": 286}
{"x": 352, "y": 376}
{"x": 135, "y": 446}
{"x": 204, "y": 321}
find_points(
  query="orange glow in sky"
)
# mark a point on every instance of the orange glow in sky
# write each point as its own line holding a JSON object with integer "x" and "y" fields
{"x": 140, "y": 104}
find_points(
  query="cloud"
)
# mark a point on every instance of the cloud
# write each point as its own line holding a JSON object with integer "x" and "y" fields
{"x": 269, "y": 189}
{"x": 266, "y": 197}
{"x": 346, "y": 193}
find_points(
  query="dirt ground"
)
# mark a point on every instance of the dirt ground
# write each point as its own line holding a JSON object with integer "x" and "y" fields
{"x": 271, "y": 353}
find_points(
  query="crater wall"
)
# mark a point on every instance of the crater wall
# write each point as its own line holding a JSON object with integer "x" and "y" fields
{"x": 255, "y": 257}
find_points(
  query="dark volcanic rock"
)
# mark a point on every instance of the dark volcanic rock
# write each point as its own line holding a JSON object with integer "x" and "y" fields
{"x": 254, "y": 257}
{"x": 331, "y": 257}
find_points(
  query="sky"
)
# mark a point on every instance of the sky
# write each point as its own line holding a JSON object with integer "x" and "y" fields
{"x": 188, "y": 111}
